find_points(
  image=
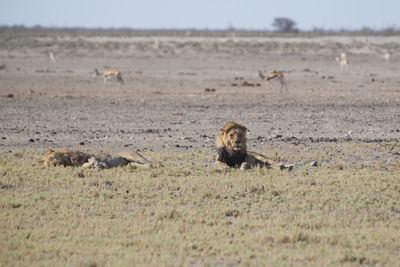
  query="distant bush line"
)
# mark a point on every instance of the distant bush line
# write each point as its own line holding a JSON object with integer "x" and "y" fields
{"x": 228, "y": 32}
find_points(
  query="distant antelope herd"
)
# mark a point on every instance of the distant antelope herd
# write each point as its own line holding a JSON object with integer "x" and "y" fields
{"x": 275, "y": 75}
{"x": 343, "y": 61}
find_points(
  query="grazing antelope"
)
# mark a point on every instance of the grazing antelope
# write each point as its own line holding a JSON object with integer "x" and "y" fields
{"x": 52, "y": 56}
{"x": 342, "y": 59}
{"x": 274, "y": 75}
{"x": 386, "y": 56}
{"x": 108, "y": 75}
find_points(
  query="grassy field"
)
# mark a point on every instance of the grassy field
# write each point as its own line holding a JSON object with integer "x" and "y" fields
{"x": 184, "y": 213}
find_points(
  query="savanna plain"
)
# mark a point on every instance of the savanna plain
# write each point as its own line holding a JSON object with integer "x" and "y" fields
{"x": 339, "y": 126}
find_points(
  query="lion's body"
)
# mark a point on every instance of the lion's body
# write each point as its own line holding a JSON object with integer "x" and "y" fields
{"x": 100, "y": 160}
{"x": 232, "y": 151}
{"x": 105, "y": 161}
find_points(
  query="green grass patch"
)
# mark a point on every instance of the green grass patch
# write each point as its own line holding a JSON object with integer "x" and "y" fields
{"x": 184, "y": 212}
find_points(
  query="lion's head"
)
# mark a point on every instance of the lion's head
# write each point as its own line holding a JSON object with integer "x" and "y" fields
{"x": 233, "y": 138}
{"x": 64, "y": 158}
{"x": 51, "y": 159}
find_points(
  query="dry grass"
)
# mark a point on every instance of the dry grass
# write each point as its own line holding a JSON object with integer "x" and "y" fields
{"x": 194, "y": 215}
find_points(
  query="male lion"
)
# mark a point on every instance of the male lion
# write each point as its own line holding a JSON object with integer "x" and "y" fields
{"x": 100, "y": 160}
{"x": 232, "y": 152}
{"x": 64, "y": 158}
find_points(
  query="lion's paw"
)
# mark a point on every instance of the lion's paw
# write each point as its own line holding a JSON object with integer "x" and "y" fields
{"x": 245, "y": 166}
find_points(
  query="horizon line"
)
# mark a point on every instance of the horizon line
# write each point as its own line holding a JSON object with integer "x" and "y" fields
{"x": 228, "y": 28}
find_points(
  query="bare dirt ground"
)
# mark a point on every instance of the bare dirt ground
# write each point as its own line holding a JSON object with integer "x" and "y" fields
{"x": 180, "y": 90}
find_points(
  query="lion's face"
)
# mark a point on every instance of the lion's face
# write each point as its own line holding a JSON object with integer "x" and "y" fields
{"x": 234, "y": 138}
{"x": 51, "y": 159}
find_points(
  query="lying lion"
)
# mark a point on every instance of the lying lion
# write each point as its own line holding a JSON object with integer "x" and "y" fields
{"x": 100, "y": 160}
{"x": 232, "y": 152}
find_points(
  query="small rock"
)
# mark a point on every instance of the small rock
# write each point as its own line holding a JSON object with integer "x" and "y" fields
{"x": 82, "y": 143}
{"x": 314, "y": 163}
{"x": 31, "y": 140}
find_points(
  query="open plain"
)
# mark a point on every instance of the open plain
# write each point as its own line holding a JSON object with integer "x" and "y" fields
{"x": 339, "y": 126}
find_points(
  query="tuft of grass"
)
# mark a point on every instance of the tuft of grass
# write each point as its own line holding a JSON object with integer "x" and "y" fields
{"x": 184, "y": 212}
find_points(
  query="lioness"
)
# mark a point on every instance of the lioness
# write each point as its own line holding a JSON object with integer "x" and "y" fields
{"x": 232, "y": 152}
{"x": 105, "y": 161}
{"x": 100, "y": 160}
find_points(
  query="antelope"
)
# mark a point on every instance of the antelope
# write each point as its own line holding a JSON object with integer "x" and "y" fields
{"x": 108, "y": 75}
{"x": 342, "y": 59}
{"x": 52, "y": 56}
{"x": 386, "y": 56}
{"x": 274, "y": 75}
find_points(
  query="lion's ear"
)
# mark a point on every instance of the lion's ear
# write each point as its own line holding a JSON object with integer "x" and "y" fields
{"x": 50, "y": 150}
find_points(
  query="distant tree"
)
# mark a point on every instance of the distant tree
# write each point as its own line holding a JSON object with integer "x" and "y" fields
{"x": 284, "y": 25}
{"x": 389, "y": 30}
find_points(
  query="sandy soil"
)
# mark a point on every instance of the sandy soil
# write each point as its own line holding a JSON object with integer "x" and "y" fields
{"x": 179, "y": 91}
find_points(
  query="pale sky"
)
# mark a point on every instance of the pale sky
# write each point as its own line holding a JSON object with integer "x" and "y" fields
{"x": 201, "y": 14}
